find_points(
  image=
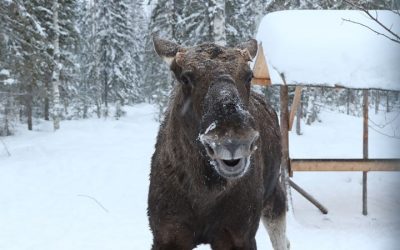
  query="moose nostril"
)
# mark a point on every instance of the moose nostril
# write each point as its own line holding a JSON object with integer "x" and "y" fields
{"x": 209, "y": 149}
{"x": 252, "y": 146}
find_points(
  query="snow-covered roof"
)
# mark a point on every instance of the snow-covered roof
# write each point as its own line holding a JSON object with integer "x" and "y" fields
{"x": 318, "y": 47}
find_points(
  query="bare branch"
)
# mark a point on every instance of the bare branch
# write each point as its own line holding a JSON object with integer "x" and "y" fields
{"x": 394, "y": 136}
{"x": 376, "y": 32}
{"x": 5, "y": 146}
{"x": 382, "y": 25}
{"x": 94, "y": 199}
{"x": 376, "y": 20}
{"x": 381, "y": 126}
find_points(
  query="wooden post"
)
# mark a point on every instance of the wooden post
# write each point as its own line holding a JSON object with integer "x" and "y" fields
{"x": 365, "y": 149}
{"x": 284, "y": 117}
{"x": 295, "y": 106}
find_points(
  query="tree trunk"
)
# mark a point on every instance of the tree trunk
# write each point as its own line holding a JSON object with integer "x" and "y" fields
{"x": 65, "y": 106}
{"x": 85, "y": 109}
{"x": 29, "y": 103}
{"x": 218, "y": 26}
{"x": 377, "y": 101}
{"x": 388, "y": 101}
{"x": 7, "y": 109}
{"x": 98, "y": 109}
{"x": 56, "y": 70}
{"x": 47, "y": 102}
{"x": 21, "y": 113}
{"x": 299, "y": 114}
{"x": 348, "y": 101}
{"x": 311, "y": 109}
{"x": 106, "y": 89}
{"x": 84, "y": 100}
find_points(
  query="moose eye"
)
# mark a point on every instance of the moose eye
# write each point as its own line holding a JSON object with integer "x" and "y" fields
{"x": 186, "y": 78}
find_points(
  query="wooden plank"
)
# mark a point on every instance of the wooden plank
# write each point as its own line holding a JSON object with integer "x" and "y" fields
{"x": 295, "y": 106}
{"x": 260, "y": 69}
{"x": 365, "y": 150}
{"x": 345, "y": 165}
{"x": 261, "y": 81}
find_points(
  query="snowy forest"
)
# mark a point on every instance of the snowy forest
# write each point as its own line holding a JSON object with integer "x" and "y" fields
{"x": 74, "y": 59}
{"x": 83, "y": 93}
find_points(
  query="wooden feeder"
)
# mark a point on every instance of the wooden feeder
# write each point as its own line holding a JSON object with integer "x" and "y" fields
{"x": 365, "y": 164}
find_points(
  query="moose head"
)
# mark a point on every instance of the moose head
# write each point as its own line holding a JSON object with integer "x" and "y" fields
{"x": 214, "y": 94}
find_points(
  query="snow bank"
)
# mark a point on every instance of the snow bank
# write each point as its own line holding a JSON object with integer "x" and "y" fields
{"x": 317, "y": 47}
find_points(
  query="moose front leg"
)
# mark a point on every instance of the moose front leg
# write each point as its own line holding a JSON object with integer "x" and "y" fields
{"x": 227, "y": 240}
{"x": 274, "y": 219}
{"x": 172, "y": 237}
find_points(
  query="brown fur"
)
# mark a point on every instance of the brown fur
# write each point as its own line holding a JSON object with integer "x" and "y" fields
{"x": 189, "y": 203}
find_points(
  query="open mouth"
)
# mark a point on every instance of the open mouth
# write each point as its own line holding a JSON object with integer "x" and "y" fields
{"x": 232, "y": 168}
{"x": 231, "y": 163}
{"x": 230, "y": 155}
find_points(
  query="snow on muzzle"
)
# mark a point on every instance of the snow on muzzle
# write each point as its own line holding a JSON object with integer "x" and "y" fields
{"x": 230, "y": 155}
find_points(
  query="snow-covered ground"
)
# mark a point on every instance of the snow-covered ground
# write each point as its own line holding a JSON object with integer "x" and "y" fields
{"x": 85, "y": 187}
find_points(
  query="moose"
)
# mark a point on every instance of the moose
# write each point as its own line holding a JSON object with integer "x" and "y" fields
{"x": 216, "y": 166}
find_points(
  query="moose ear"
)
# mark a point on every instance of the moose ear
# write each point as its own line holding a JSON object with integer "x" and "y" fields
{"x": 165, "y": 49}
{"x": 251, "y": 46}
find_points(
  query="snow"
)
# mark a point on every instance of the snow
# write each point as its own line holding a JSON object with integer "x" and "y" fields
{"x": 340, "y": 136}
{"x": 85, "y": 186}
{"x": 9, "y": 81}
{"x": 317, "y": 47}
{"x": 212, "y": 126}
{"x": 48, "y": 11}
{"x": 4, "y": 72}
{"x": 148, "y": 7}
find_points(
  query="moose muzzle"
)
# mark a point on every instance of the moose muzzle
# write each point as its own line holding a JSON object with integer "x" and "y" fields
{"x": 228, "y": 132}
